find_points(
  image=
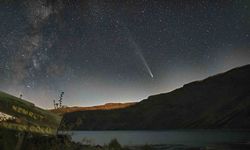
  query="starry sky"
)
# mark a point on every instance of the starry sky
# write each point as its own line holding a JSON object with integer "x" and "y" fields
{"x": 100, "y": 51}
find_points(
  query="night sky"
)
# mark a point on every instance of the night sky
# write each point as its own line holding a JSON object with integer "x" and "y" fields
{"x": 99, "y": 51}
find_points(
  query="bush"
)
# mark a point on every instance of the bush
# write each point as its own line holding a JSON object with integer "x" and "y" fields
{"x": 114, "y": 145}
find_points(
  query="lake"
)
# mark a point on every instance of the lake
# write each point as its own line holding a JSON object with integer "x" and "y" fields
{"x": 184, "y": 137}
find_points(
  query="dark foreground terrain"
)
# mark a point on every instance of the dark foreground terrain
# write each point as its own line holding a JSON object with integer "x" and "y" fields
{"x": 9, "y": 141}
{"x": 218, "y": 102}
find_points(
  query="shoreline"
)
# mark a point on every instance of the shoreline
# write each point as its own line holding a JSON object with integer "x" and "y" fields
{"x": 65, "y": 142}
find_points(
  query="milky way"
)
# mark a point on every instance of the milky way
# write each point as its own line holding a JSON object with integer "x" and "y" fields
{"x": 99, "y": 51}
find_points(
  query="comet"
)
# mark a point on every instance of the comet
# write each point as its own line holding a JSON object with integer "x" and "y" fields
{"x": 145, "y": 63}
{"x": 141, "y": 56}
{"x": 137, "y": 49}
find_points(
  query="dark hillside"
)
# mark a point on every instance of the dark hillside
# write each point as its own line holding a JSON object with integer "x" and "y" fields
{"x": 220, "y": 101}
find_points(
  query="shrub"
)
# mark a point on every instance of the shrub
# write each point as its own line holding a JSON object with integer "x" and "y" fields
{"x": 114, "y": 145}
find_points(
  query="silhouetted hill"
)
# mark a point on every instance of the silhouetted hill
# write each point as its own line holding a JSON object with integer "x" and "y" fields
{"x": 220, "y": 101}
{"x": 108, "y": 106}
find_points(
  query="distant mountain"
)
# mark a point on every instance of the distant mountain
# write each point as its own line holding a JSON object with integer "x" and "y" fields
{"x": 107, "y": 106}
{"x": 220, "y": 101}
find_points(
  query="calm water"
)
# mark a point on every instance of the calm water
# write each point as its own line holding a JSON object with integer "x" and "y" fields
{"x": 185, "y": 137}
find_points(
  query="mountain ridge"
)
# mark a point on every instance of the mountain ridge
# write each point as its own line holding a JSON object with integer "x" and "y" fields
{"x": 219, "y": 101}
{"x": 106, "y": 106}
